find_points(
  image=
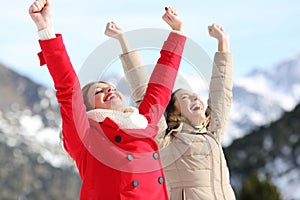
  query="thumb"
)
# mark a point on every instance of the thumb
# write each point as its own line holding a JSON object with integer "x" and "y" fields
{"x": 47, "y": 3}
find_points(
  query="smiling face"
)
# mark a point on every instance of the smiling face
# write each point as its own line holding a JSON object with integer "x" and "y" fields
{"x": 190, "y": 106}
{"x": 104, "y": 96}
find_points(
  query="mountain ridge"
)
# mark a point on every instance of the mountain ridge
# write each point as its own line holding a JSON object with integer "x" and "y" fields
{"x": 29, "y": 117}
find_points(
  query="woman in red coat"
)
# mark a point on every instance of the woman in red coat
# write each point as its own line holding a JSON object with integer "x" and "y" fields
{"x": 116, "y": 158}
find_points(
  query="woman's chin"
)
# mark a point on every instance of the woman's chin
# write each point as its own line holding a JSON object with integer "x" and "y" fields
{"x": 117, "y": 105}
{"x": 197, "y": 113}
{"x": 196, "y": 117}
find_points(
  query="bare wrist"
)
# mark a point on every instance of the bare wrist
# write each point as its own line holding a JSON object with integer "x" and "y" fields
{"x": 223, "y": 45}
{"x": 119, "y": 37}
{"x": 178, "y": 28}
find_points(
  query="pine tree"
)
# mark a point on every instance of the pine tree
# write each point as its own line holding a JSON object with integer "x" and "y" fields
{"x": 255, "y": 188}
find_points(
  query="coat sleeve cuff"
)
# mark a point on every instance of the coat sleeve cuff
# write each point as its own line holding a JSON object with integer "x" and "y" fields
{"x": 175, "y": 43}
{"x": 41, "y": 58}
{"x": 130, "y": 60}
{"x": 46, "y": 33}
{"x": 51, "y": 44}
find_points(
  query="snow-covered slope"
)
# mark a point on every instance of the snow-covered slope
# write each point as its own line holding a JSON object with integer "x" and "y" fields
{"x": 29, "y": 115}
{"x": 262, "y": 97}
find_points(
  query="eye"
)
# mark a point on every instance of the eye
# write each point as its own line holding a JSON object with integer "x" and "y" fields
{"x": 184, "y": 96}
{"x": 98, "y": 91}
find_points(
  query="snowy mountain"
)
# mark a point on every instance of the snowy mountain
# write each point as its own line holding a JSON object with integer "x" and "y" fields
{"x": 33, "y": 164}
{"x": 29, "y": 115}
{"x": 263, "y": 96}
{"x": 272, "y": 150}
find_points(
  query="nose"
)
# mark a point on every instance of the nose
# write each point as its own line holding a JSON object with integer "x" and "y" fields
{"x": 108, "y": 89}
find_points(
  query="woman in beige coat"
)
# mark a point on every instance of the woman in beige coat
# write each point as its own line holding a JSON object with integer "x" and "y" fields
{"x": 191, "y": 151}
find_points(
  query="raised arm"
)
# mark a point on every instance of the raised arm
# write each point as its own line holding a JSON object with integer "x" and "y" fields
{"x": 114, "y": 31}
{"x": 74, "y": 119}
{"x": 133, "y": 67}
{"x": 164, "y": 74}
{"x": 172, "y": 19}
{"x": 220, "y": 91}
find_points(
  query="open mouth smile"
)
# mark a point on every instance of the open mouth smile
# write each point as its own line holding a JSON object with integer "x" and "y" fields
{"x": 196, "y": 107}
{"x": 109, "y": 96}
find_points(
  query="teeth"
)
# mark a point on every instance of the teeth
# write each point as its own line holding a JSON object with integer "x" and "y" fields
{"x": 196, "y": 106}
{"x": 110, "y": 96}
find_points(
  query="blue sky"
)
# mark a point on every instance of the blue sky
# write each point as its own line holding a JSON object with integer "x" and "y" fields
{"x": 262, "y": 33}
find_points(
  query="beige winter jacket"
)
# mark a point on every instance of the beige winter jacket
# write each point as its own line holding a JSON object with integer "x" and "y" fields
{"x": 193, "y": 159}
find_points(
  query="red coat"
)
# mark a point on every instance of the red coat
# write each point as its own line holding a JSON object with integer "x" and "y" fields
{"x": 114, "y": 163}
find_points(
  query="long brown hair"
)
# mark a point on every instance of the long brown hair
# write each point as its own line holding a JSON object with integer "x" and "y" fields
{"x": 174, "y": 119}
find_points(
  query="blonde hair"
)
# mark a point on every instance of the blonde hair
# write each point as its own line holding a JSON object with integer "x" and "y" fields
{"x": 85, "y": 90}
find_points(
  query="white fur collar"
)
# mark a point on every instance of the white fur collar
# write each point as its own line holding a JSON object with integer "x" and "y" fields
{"x": 126, "y": 120}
